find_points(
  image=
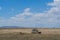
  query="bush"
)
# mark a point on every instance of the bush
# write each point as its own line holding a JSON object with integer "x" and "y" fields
{"x": 21, "y": 33}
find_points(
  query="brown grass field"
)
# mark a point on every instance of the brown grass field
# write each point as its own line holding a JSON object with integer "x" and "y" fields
{"x": 14, "y": 34}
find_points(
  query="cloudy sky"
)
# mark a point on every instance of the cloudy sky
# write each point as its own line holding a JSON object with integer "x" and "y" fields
{"x": 30, "y": 13}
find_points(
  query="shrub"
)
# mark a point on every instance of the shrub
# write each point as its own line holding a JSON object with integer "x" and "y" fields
{"x": 21, "y": 33}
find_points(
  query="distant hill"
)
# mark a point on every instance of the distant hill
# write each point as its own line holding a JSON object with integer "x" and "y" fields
{"x": 11, "y": 27}
{"x": 20, "y": 27}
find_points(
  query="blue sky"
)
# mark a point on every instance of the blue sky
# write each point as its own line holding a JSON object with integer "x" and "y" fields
{"x": 30, "y": 13}
{"x": 14, "y": 7}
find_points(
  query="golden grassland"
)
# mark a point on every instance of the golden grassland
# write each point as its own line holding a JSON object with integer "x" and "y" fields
{"x": 14, "y": 34}
{"x": 27, "y": 36}
{"x": 28, "y": 30}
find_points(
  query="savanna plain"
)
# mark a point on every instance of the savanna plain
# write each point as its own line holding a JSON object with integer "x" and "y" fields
{"x": 25, "y": 34}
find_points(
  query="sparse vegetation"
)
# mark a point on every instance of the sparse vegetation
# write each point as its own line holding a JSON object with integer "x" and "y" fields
{"x": 17, "y": 36}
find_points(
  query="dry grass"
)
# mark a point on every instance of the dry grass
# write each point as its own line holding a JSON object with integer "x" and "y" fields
{"x": 43, "y": 30}
{"x": 27, "y": 36}
{"x": 14, "y": 34}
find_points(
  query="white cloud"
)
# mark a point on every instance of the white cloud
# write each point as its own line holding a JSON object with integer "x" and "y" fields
{"x": 50, "y": 18}
{"x": 27, "y": 10}
{"x": 55, "y": 3}
{"x": 56, "y": 0}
